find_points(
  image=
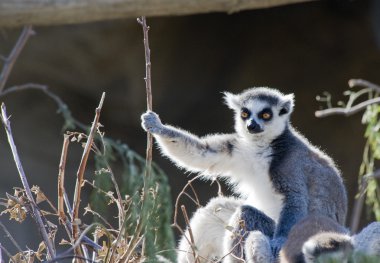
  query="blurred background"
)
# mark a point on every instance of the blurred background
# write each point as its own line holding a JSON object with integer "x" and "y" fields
{"x": 304, "y": 49}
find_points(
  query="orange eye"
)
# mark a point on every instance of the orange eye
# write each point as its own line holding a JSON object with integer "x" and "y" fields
{"x": 266, "y": 116}
{"x": 244, "y": 114}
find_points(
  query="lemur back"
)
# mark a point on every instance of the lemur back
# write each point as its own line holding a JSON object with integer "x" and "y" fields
{"x": 274, "y": 168}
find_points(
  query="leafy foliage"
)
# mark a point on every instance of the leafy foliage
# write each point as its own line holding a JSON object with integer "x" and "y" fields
{"x": 371, "y": 118}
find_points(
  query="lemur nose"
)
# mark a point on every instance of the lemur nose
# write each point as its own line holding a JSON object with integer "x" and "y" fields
{"x": 254, "y": 127}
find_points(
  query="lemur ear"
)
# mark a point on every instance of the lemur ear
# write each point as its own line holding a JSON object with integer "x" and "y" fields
{"x": 287, "y": 104}
{"x": 231, "y": 100}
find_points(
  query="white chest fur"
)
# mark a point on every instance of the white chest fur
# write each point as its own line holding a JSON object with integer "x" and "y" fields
{"x": 251, "y": 175}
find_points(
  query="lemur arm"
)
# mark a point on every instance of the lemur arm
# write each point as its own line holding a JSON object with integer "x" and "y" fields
{"x": 187, "y": 150}
{"x": 294, "y": 209}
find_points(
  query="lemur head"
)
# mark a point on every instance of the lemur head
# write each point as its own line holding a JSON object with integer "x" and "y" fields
{"x": 260, "y": 112}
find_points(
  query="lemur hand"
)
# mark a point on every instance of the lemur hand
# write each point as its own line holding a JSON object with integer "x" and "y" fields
{"x": 276, "y": 244}
{"x": 151, "y": 122}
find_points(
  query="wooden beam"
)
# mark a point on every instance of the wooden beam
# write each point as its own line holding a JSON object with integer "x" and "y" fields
{"x": 15, "y": 13}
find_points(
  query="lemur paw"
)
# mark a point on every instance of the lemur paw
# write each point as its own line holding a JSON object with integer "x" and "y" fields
{"x": 151, "y": 122}
{"x": 276, "y": 244}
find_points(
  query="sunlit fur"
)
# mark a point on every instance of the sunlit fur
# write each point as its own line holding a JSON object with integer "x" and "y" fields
{"x": 276, "y": 171}
{"x": 208, "y": 226}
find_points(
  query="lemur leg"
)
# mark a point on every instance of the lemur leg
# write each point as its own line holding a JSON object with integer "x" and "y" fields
{"x": 257, "y": 248}
{"x": 244, "y": 220}
{"x": 187, "y": 150}
{"x": 208, "y": 227}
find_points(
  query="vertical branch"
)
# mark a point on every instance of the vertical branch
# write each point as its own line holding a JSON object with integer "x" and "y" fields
{"x": 358, "y": 206}
{"x": 148, "y": 87}
{"x": 35, "y": 211}
{"x": 149, "y": 148}
{"x": 61, "y": 179}
{"x": 11, "y": 59}
{"x": 80, "y": 173}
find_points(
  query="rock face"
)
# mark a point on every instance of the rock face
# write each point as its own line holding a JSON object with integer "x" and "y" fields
{"x": 305, "y": 49}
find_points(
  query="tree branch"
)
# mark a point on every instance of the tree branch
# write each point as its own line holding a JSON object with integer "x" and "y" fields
{"x": 363, "y": 83}
{"x": 11, "y": 59}
{"x": 149, "y": 148}
{"x": 51, "y": 12}
{"x": 347, "y": 111}
{"x": 80, "y": 173}
{"x": 36, "y": 213}
{"x": 61, "y": 179}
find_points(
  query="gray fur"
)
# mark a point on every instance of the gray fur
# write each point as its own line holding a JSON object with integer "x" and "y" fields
{"x": 314, "y": 236}
{"x": 277, "y": 170}
{"x": 368, "y": 240}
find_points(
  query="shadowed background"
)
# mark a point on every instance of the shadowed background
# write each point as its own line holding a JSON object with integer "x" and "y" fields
{"x": 303, "y": 49}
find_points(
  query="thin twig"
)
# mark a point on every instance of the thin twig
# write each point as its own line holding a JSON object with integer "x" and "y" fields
{"x": 11, "y": 60}
{"x": 62, "y": 107}
{"x": 11, "y": 238}
{"x": 179, "y": 197}
{"x": 6, "y": 252}
{"x": 35, "y": 210}
{"x": 348, "y": 111}
{"x": 119, "y": 202}
{"x": 196, "y": 259}
{"x": 149, "y": 148}
{"x": 363, "y": 83}
{"x": 148, "y": 64}
{"x": 80, "y": 173}
{"x": 358, "y": 206}
{"x": 61, "y": 179}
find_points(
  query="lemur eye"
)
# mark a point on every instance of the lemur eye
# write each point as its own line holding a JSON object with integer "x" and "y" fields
{"x": 266, "y": 116}
{"x": 244, "y": 113}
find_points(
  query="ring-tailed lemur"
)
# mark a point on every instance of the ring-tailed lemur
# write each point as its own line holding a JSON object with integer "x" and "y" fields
{"x": 277, "y": 171}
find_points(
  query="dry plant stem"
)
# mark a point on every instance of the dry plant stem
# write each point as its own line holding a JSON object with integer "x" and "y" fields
{"x": 6, "y": 252}
{"x": 179, "y": 197}
{"x": 11, "y": 60}
{"x": 80, "y": 173}
{"x": 61, "y": 179}
{"x": 190, "y": 233}
{"x": 149, "y": 147}
{"x": 36, "y": 212}
{"x": 8, "y": 235}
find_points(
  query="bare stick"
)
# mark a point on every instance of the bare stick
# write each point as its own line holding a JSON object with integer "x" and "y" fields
{"x": 61, "y": 179}
{"x": 35, "y": 210}
{"x": 179, "y": 197}
{"x": 190, "y": 233}
{"x": 358, "y": 207}
{"x": 363, "y": 83}
{"x": 80, "y": 173}
{"x": 8, "y": 234}
{"x": 348, "y": 111}
{"x": 149, "y": 147}
{"x": 6, "y": 252}
{"x": 10, "y": 61}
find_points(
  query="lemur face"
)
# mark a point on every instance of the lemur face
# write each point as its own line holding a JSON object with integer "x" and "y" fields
{"x": 260, "y": 113}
